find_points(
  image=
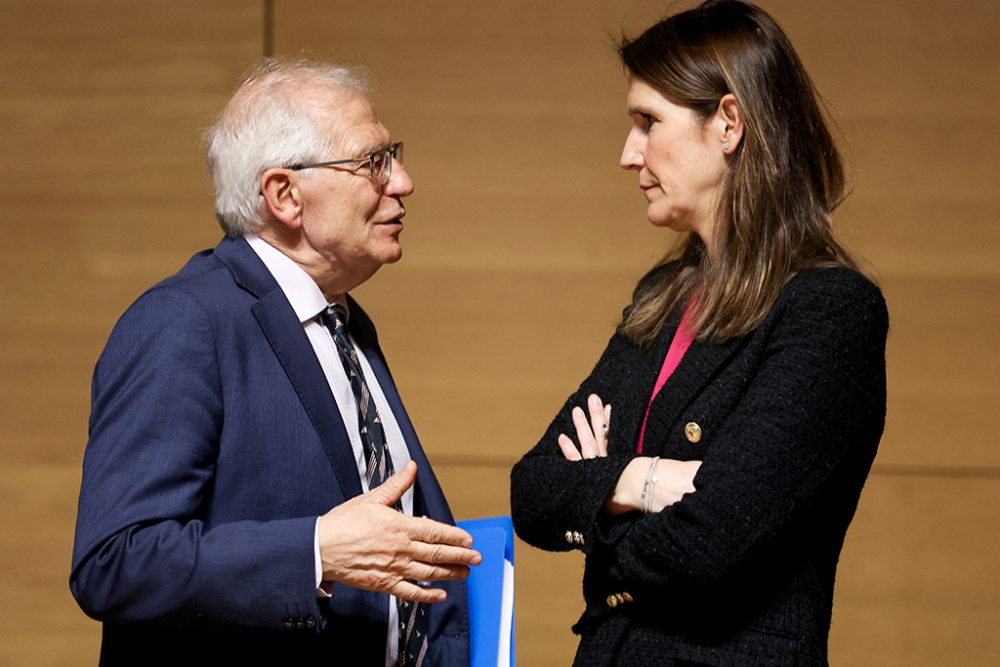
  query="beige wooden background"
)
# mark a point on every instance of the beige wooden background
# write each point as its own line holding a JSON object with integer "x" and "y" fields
{"x": 522, "y": 243}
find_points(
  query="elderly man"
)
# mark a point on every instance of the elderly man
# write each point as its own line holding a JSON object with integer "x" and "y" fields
{"x": 252, "y": 482}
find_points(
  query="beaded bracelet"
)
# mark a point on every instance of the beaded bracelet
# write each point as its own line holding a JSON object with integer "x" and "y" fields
{"x": 649, "y": 486}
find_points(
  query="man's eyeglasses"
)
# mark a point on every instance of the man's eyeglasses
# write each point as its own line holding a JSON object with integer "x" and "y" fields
{"x": 380, "y": 163}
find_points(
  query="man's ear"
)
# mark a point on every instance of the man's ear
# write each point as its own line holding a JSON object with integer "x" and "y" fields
{"x": 282, "y": 198}
{"x": 728, "y": 122}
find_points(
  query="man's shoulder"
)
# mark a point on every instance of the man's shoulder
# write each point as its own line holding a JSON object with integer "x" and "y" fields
{"x": 203, "y": 270}
{"x": 205, "y": 279}
{"x": 203, "y": 289}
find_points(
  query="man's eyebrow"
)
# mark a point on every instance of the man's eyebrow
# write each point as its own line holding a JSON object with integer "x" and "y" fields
{"x": 373, "y": 147}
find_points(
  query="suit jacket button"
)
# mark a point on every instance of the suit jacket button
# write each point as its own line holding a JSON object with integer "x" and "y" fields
{"x": 612, "y": 601}
{"x": 289, "y": 623}
{"x": 578, "y": 538}
{"x": 627, "y": 597}
{"x": 692, "y": 432}
{"x": 310, "y": 622}
{"x": 569, "y": 537}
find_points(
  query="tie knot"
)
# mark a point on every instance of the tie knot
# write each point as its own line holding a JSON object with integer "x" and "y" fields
{"x": 337, "y": 316}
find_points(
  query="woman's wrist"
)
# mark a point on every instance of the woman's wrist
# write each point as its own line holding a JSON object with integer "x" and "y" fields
{"x": 627, "y": 494}
{"x": 676, "y": 480}
{"x": 649, "y": 487}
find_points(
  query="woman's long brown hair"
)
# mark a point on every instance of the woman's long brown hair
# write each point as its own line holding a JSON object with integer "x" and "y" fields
{"x": 786, "y": 176}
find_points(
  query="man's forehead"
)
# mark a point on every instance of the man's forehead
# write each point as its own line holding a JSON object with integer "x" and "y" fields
{"x": 362, "y": 138}
{"x": 349, "y": 119}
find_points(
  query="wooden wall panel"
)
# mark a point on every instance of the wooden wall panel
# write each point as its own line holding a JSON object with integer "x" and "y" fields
{"x": 917, "y": 582}
{"x": 104, "y": 192}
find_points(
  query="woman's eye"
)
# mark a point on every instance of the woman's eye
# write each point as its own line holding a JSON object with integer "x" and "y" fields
{"x": 647, "y": 120}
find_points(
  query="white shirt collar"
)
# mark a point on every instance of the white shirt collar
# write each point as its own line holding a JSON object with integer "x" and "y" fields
{"x": 300, "y": 289}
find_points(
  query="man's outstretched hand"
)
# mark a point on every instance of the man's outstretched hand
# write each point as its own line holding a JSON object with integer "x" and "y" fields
{"x": 367, "y": 544}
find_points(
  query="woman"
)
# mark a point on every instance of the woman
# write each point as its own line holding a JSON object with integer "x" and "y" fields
{"x": 747, "y": 377}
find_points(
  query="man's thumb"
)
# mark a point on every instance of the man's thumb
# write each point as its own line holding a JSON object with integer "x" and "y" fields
{"x": 390, "y": 491}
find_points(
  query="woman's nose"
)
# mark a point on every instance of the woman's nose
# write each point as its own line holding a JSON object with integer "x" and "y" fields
{"x": 632, "y": 156}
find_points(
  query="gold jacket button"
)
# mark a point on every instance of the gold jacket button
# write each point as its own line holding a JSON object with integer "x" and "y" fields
{"x": 692, "y": 432}
{"x": 612, "y": 601}
{"x": 627, "y": 597}
{"x": 569, "y": 536}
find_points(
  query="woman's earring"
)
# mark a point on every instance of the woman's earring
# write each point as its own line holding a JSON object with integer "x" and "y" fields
{"x": 725, "y": 146}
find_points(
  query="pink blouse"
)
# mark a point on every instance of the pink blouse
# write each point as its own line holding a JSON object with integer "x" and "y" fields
{"x": 678, "y": 346}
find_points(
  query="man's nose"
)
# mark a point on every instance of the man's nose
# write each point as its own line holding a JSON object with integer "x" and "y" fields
{"x": 399, "y": 184}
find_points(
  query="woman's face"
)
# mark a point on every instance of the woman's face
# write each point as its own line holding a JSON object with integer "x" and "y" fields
{"x": 681, "y": 161}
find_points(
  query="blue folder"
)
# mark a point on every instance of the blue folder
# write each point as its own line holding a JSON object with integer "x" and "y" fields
{"x": 493, "y": 537}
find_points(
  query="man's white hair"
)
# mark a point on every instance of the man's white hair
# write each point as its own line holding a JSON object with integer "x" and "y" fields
{"x": 266, "y": 125}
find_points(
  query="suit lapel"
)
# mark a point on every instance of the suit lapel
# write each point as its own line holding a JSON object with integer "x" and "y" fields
{"x": 291, "y": 346}
{"x": 428, "y": 496}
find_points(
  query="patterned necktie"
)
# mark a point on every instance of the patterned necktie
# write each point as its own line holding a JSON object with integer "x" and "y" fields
{"x": 412, "y": 619}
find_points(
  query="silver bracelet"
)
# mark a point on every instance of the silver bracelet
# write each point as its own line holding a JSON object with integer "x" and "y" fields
{"x": 648, "y": 487}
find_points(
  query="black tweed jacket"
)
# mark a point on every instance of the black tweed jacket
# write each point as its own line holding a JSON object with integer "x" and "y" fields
{"x": 786, "y": 421}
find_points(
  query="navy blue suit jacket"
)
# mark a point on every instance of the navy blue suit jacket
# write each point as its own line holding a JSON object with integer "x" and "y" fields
{"x": 215, "y": 443}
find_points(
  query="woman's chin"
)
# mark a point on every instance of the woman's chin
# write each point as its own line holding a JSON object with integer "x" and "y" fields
{"x": 658, "y": 219}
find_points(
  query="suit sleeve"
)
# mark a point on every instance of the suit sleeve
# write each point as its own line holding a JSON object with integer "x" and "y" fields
{"x": 144, "y": 552}
{"x": 800, "y": 441}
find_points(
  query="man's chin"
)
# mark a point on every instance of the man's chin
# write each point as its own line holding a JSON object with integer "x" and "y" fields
{"x": 391, "y": 255}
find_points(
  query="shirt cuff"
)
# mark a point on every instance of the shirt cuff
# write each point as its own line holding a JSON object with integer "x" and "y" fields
{"x": 324, "y": 589}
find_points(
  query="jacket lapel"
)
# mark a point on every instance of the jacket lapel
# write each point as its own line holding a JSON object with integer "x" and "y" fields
{"x": 700, "y": 364}
{"x": 291, "y": 346}
{"x": 428, "y": 498}
{"x": 631, "y": 407}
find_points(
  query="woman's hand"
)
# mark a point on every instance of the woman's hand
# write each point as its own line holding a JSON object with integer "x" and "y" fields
{"x": 674, "y": 479}
{"x": 593, "y": 435}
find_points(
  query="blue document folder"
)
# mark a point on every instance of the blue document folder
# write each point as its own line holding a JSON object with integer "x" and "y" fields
{"x": 491, "y": 592}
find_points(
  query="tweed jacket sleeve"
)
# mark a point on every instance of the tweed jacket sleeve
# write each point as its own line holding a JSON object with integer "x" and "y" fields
{"x": 556, "y": 503}
{"x": 792, "y": 416}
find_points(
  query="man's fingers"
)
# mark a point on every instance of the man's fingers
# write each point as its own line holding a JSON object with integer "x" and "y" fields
{"x": 406, "y": 590}
{"x": 443, "y": 554}
{"x": 427, "y": 572}
{"x": 389, "y": 492}
{"x": 366, "y": 544}
{"x": 429, "y": 531}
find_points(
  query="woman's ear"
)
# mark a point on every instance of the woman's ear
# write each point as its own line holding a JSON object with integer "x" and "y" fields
{"x": 729, "y": 123}
{"x": 282, "y": 199}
